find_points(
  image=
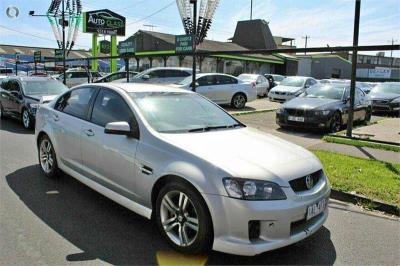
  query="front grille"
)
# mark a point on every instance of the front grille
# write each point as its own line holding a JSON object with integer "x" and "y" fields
{"x": 380, "y": 101}
{"x": 280, "y": 93}
{"x": 300, "y": 184}
{"x": 296, "y": 112}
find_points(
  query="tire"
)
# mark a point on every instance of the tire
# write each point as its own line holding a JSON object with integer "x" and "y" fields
{"x": 26, "y": 118}
{"x": 47, "y": 154}
{"x": 368, "y": 115}
{"x": 177, "y": 219}
{"x": 238, "y": 101}
{"x": 336, "y": 123}
{"x": 2, "y": 114}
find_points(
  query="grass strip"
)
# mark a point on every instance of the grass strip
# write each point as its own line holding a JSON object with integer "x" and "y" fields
{"x": 362, "y": 143}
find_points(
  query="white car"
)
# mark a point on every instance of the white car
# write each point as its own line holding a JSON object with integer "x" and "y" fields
{"x": 207, "y": 180}
{"x": 161, "y": 75}
{"x": 290, "y": 87}
{"x": 222, "y": 89}
{"x": 78, "y": 77}
{"x": 259, "y": 81}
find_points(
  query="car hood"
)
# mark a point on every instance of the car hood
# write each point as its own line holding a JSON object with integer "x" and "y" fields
{"x": 248, "y": 153}
{"x": 383, "y": 96}
{"x": 42, "y": 98}
{"x": 282, "y": 88}
{"x": 309, "y": 103}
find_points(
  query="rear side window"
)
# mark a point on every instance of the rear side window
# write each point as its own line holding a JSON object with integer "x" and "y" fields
{"x": 76, "y": 102}
{"x": 223, "y": 80}
{"x": 110, "y": 107}
{"x": 206, "y": 80}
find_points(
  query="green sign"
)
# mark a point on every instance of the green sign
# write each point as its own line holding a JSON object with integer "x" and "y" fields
{"x": 105, "y": 22}
{"x": 126, "y": 47}
{"x": 105, "y": 47}
{"x": 37, "y": 56}
{"x": 183, "y": 43}
{"x": 58, "y": 54}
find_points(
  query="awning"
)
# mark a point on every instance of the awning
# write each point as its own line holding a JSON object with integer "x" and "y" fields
{"x": 271, "y": 60}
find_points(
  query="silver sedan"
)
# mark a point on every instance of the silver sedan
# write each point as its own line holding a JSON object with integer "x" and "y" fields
{"x": 171, "y": 155}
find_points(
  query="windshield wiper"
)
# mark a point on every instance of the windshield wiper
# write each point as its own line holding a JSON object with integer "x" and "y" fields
{"x": 204, "y": 129}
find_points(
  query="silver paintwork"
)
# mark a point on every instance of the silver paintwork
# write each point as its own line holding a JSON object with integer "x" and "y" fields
{"x": 112, "y": 165}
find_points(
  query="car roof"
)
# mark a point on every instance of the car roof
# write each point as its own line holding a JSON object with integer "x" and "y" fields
{"x": 31, "y": 78}
{"x": 169, "y": 68}
{"x": 209, "y": 74}
{"x": 143, "y": 87}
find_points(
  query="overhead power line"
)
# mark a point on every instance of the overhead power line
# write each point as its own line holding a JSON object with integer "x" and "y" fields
{"x": 152, "y": 14}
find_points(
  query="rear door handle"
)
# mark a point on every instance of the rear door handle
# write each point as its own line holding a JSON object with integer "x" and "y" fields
{"x": 55, "y": 117}
{"x": 89, "y": 132}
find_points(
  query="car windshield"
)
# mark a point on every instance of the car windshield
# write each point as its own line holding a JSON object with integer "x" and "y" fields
{"x": 293, "y": 82}
{"x": 324, "y": 91}
{"x": 43, "y": 87}
{"x": 278, "y": 78}
{"x": 186, "y": 81}
{"x": 247, "y": 77}
{"x": 387, "y": 88}
{"x": 177, "y": 112}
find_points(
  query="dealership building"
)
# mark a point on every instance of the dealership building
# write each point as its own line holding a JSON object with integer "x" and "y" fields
{"x": 250, "y": 34}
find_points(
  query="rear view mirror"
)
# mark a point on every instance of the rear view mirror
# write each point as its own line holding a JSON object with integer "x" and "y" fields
{"x": 118, "y": 128}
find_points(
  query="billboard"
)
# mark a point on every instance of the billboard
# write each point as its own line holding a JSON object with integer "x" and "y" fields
{"x": 104, "y": 22}
{"x": 379, "y": 73}
{"x": 183, "y": 43}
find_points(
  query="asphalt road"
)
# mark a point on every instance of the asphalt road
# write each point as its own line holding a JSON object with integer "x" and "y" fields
{"x": 60, "y": 221}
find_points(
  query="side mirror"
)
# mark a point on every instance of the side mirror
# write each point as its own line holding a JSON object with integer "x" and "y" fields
{"x": 346, "y": 100}
{"x": 306, "y": 86}
{"x": 145, "y": 77}
{"x": 118, "y": 128}
{"x": 195, "y": 85}
{"x": 16, "y": 94}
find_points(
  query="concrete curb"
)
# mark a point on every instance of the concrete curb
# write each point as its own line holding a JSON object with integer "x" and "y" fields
{"x": 253, "y": 112}
{"x": 354, "y": 198}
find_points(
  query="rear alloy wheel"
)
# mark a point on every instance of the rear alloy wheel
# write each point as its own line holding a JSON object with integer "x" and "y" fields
{"x": 336, "y": 122}
{"x": 47, "y": 157}
{"x": 26, "y": 119}
{"x": 238, "y": 101}
{"x": 183, "y": 219}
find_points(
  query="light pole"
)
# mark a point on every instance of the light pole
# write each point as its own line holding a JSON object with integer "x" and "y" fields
{"x": 349, "y": 132}
{"x": 64, "y": 24}
{"x": 194, "y": 31}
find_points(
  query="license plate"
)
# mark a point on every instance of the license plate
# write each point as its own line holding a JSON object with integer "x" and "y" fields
{"x": 296, "y": 118}
{"x": 316, "y": 209}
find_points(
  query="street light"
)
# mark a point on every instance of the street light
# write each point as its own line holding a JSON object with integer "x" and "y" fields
{"x": 63, "y": 23}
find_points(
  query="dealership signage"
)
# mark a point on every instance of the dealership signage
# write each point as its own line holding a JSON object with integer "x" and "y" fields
{"x": 58, "y": 54}
{"x": 126, "y": 47}
{"x": 105, "y": 47}
{"x": 379, "y": 73}
{"x": 104, "y": 22}
{"x": 183, "y": 43}
{"x": 37, "y": 56}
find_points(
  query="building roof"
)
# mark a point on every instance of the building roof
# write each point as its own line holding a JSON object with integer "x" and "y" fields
{"x": 254, "y": 34}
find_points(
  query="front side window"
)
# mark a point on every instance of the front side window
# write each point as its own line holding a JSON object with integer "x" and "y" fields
{"x": 110, "y": 107}
{"x": 176, "y": 112}
{"x": 76, "y": 102}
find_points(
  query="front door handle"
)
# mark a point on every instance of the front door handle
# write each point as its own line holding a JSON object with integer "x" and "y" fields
{"x": 89, "y": 132}
{"x": 55, "y": 117}
{"x": 146, "y": 170}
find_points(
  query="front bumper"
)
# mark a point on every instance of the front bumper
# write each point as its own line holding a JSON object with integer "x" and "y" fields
{"x": 281, "y": 222}
{"x": 280, "y": 96}
{"x": 384, "y": 106}
{"x": 310, "y": 121}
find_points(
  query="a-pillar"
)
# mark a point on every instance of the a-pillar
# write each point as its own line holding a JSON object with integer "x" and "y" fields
{"x": 95, "y": 52}
{"x": 114, "y": 53}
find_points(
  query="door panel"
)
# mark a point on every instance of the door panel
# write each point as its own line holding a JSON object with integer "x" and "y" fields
{"x": 110, "y": 158}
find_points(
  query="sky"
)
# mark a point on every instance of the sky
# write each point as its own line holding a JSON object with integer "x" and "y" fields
{"x": 326, "y": 22}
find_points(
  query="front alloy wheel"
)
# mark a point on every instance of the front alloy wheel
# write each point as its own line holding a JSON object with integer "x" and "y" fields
{"x": 179, "y": 218}
{"x": 183, "y": 218}
{"x": 26, "y": 119}
{"x": 336, "y": 122}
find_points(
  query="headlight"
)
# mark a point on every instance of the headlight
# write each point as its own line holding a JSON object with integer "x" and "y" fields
{"x": 280, "y": 111}
{"x": 397, "y": 100}
{"x": 248, "y": 189}
{"x": 34, "y": 105}
{"x": 322, "y": 113}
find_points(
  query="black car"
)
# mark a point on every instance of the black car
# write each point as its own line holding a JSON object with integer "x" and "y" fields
{"x": 324, "y": 106}
{"x": 20, "y": 97}
{"x": 116, "y": 76}
{"x": 273, "y": 79}
{"x": 385, "y": 97}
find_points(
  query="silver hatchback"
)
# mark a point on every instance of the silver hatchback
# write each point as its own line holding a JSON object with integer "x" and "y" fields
{"x": 174, "y": 156}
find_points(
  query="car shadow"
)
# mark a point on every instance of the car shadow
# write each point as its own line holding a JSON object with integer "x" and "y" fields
{"x": 14, "y": 126}
{"x": 229, "y": 108}
{"x": 104, "y": 230}
{"x": 310, "y": 133}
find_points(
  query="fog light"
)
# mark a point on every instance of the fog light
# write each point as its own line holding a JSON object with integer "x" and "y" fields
{"x": 254, "y": 230}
